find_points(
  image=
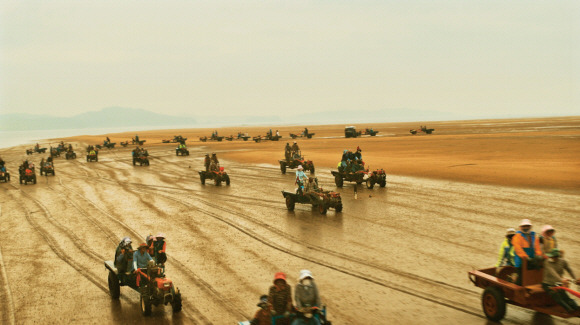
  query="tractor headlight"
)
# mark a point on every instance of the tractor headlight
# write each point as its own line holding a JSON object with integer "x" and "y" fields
{"x": 167, "y": 285}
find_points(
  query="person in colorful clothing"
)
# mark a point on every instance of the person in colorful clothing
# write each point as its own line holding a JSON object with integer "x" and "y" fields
{"x": 547, "y": 239}
{"x": 506, "y": 251}
{"x": 526, "y": 247}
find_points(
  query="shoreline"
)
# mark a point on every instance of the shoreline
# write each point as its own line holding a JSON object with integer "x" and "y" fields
{"x": 536, "y": 153}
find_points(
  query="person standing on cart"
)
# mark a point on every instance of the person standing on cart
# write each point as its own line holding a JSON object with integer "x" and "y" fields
{"x": 506, "y": 251}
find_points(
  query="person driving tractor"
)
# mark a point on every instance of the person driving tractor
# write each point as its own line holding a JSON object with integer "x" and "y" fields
{"x": 141, "y": 257}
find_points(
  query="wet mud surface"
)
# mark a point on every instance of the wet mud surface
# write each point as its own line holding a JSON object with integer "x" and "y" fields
{"x": 396, "y": 255}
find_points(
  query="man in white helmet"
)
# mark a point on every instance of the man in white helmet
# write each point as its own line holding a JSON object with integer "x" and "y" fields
{"x": 307, "y": 299}
{"x": 527, "y": 247}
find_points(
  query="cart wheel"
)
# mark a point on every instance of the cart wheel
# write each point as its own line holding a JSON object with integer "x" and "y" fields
{"x": 338, "y": 208}
{"x": 176, "y": 304}
{"x": 283, "y": 168}
{"x": 370, "y": 183}
{"x": 217, "y": 182}
{"x": 290, "y": 203}
{"x": 202, "y": 178}
{"x": 338, "y": 181}
{"x": 322, "y": 208}
{"x": 114, "y": 287}
{"x": 493, "y": 303}
{"x": 227, "y": 180}
{"x": 145, "y": 302}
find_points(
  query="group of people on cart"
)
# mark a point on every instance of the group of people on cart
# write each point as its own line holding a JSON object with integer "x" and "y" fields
{"x": 540, "y": 251}
{"x": 292, "y": 152}
{"x": 211, "y": 163}
{"x": 351, "y": 162}
{"x": 129, "y": 261}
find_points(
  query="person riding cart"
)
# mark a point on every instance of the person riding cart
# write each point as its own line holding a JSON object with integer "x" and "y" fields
{"x": 280, "y": 298}
{"x": 506, "y": 251}
{"x": 214, "y": 163}
{"x": 554, "y": 282}
{"x": 307, "y": 299}
{"x": 527, "y": 246}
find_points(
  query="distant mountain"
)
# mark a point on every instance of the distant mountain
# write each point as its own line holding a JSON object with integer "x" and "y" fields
{"x": 105, "y": 118}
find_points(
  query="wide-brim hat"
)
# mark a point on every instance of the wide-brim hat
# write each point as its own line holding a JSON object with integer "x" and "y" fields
{"x": 547, "y": 228}
{"x": 510, "y": 231}
{"x": 305, "y": 274}
{"x": 280, "y": 276}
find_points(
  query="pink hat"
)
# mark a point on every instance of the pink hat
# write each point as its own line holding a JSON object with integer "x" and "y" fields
{"x": 525, "y": 222}
{"x": 547, "y": 228}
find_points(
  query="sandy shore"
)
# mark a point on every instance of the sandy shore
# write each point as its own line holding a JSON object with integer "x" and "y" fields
{"x": 394, "y": 255}
{"x": 537, "y": 153}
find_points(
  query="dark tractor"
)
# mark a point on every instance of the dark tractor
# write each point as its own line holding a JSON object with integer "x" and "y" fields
{"x": 151, "y": 283}
{"x": 413, "y": 131}
{"x": 70, "y": 155}
{"x": 93, "y": 156}
{"x": 124, "y": 144}
{"x": 371, "y": 132}
{"x": 302, "y": 135}
{"x": 54, "y": 152}
{"x": 273, "y": 137}
{"x": 4, "y": 177}
{"x": 181, "y": 151}
{"x": 323, "y": 200}
{"x": 216, "y": 138}
{"x": 426, "y": 130}
{"x": 351, "y": 132}
{"x": 109, "y": 145}
{"x": 295, "y": 161}
{"x": 203, "y": 139}
{"x": 40, "y": 150}
{"x": 362, "y": 176}
{"x": 29, "y": 152}
{"x": 48, "y": 168}
{"x": 141, "y": 160}
{"x": 217, "y": 176}
{"x": 257, "y": 139}
{"x": 230, "y": 138}
{"x": 178, "y": 139}
{"x": 27, "y": 175}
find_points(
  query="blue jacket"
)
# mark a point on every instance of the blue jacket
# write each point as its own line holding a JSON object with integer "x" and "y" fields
{"x": 140, "y": 261}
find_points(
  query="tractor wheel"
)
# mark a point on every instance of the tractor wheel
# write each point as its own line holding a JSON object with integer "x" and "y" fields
{"x": 227, "y": 180}
{"x": 34, "y": 180}
{"x": 53, "y": 173}
{"x": 370, "y": 183}
{"x": 97, "y": 158}
{"x": 87, "y": 158}
{"x": 283, "y": 168}
{"x": 493, "y": 303}
{"x": 147, "y": 163}
{"x": 114, "y": 287}
{"x": 383, "y": 183}
{"x": 202, "y": 177}
{"x": 217, "y": 182}
{"x": 134, "y": 162}
{"x": 290, "y": 203}
{"x": 176, "y": 304}
{"x": 338, "y": 208}
{"x": 312, "y": 170}
{"x": 145, "y": 302}
{"x": 20, "y": 180}
{"x": 322, "y": 208}
{"x": 187, "y": 154}
{"x": 338, "y": 181}
{"x": 176, "y": 153}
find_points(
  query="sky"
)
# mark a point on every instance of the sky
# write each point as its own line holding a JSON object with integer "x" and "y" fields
{"x": 290, "y": 57}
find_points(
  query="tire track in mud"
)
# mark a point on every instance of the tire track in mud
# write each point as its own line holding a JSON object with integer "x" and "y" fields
{"x": 52, "y": 243}
{"x": 8, "y": 312}
{"x": 424, "y": 296}
{"x": 182, "y": 267}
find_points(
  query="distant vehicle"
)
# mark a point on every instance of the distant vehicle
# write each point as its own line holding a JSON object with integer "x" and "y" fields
{"x": 294, "y": 162}
{"x": 301, "y": 135}
{"x": 70, "y": 155}
{"x": 351, "y": 132}
{"x": 217, "y": 176}
{"x": 93, "y": 157}
{"x": 181, "y": 152}
{"x": 27, "y": 176}
{"x": 323, "y": 200}
{"x": 48, "y": 168}
{"x": 141, "y": 160}
{"x": 426, "y": 130}
{"x": 371, "y": 132}
{"x": 362, "y": 176}
{"x": 4, "y": 177}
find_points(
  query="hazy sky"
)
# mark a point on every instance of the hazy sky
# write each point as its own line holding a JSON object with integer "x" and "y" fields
{"x": 273, "y": 57}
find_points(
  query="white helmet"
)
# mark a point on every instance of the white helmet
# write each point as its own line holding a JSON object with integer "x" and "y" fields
{"x": 305, "y": 274}
{"x": 300, "y": 167}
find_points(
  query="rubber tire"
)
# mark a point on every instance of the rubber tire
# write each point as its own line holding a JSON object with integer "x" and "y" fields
{"x": 312, "y": 170}
{"x": 176, "y": 304}
{"x": 145, "y": 304}
{"x": 383, "y": 183}
{"x": 202, "y": 178}
{"x": 338, "y": 181}
{"x": 493, "y": 304}
{"x": 34, "y": 180}
{"x": 227, "y": 180}
{"x": 134, "y": 162}
{"x": 87, "y": 158}
{"x": 114, "y": 287}
{"x": 283, "y": 168}
{"x": 290, "y": 204}
{"x": 338, "y": 208}
{"x": 322, "y": 208}
{"x": 217, "y": 182}
{"x": 370, "y": 184}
